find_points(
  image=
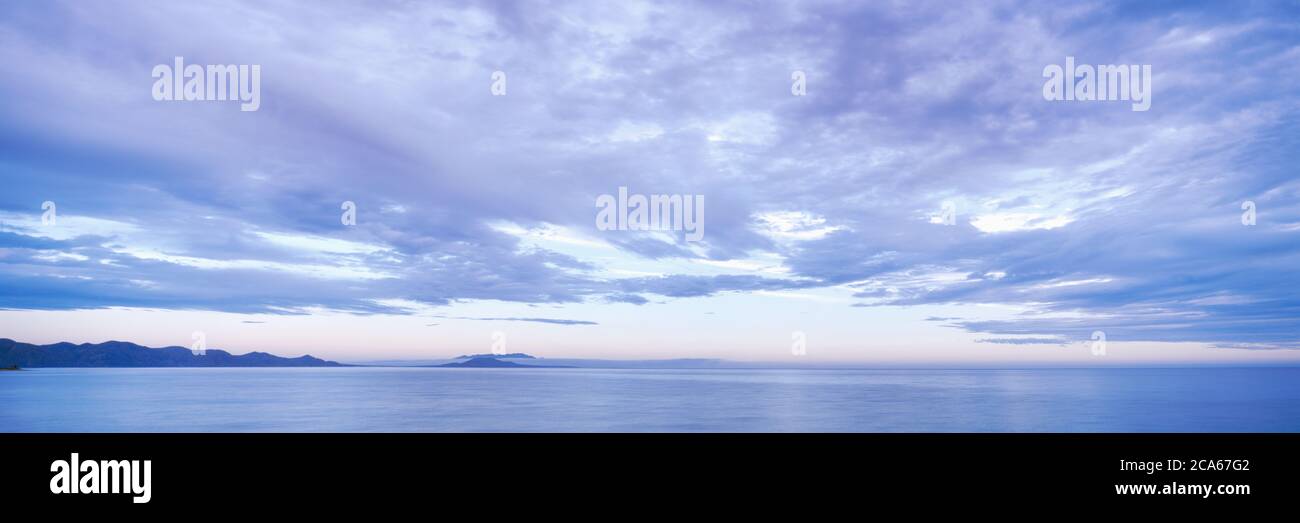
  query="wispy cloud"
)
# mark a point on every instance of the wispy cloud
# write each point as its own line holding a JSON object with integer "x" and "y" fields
{"x": 552, "y": 321}
{"x": 1093, "y": 217}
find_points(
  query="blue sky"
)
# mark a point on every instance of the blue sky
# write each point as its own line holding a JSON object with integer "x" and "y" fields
{"x": 475, "y": 212}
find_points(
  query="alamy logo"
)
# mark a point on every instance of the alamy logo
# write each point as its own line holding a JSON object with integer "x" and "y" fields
{"x": 200, "y": 345}
{"x": 215, "y": 82}
{"x": 498, "y": 343}
{"x": 102, "y": 477}
{"x": 1103, "y": 82}
{"x": 349, "y": 213}
{"x": 947, "y": 214}
{"x": 498, "y": 83}
{"x": 50, "y": 216}
{"x": 657, "y": 212}
{"x": 1098, "y": 343}
{"x": 1248, "y": 213}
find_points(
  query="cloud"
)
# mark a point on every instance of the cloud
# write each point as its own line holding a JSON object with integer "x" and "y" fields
{"x": 551, "y": 321}
{"x": 1090, "y": 216}
{"x": 1022, "y": 341}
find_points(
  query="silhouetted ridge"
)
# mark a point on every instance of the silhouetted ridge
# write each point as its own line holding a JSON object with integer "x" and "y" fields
{"x": 493, "y": 363}
{"x": 127, "y": 354}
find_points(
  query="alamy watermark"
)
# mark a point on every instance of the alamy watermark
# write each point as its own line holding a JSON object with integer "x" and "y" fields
{"x": 1098, "y": 343}
{"x": 49, "y": 214}
{"x": 1100, "y": 83}
{"x": 498, "y": 87}
{"x": 498, "y": 343}
{"x": 200, "y": 343}
{"x": 798, "y": 343}
{"x": 657, "y": 212}
{"x": 107, "y": 476}
{"x": 349, "y": 216}
{"x": 947, "y": 214}
{"x": 188, "y": 83}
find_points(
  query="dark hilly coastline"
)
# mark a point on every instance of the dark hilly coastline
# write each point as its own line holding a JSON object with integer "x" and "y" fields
{"x": 125, "y": 354}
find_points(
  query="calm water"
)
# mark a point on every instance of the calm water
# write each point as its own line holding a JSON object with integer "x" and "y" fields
{"x": 399, "y": 400}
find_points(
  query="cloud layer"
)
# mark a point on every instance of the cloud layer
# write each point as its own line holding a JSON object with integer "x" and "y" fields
{"x": 1089, "y": 216}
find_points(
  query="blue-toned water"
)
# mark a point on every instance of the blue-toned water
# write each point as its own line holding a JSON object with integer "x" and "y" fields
{"x": 408, "y": 399}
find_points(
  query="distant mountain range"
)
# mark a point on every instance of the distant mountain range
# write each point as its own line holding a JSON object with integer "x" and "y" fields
{"x": 126, "y": 354}
{"x": 511, "y": 356}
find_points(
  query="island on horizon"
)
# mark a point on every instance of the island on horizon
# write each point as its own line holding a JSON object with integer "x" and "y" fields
{"x": 494, "y": 362}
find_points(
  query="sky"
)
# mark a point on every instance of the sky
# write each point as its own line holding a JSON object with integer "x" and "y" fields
{"x": 882, "y": 182}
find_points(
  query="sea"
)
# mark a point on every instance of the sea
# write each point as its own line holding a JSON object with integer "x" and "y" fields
{"x": 394, "y": 399}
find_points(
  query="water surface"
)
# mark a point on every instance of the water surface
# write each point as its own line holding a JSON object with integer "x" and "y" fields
{"x": 411, "y": 399}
